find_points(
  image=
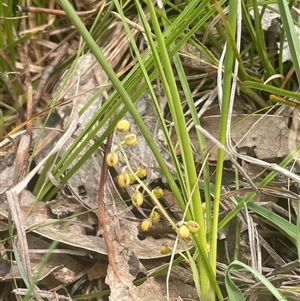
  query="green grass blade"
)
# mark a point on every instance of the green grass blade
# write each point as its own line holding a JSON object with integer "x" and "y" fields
{"x": 271, "y": 89}
{"x": 234, "y": 292}
{"x": 226, "y": 94}
{"x": 292, "y": 38}
{"x": 251, "y": 195}
{"x": 278, "y": 222}
{"x": 170, "y": 88}
{"x": 261, "y": 43}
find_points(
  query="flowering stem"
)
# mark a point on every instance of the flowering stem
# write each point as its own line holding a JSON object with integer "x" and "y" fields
{"x": 156, "y": 201}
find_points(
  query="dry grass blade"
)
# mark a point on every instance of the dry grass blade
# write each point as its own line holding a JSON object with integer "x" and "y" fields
{"x": 22, "y": 246}
{"x": 72, "y": 128}
{"x": 57, "y": 12}
{"x": 13, "y": 201}
{"x": 232, "y": 159}
{"x": 42, "y": 294}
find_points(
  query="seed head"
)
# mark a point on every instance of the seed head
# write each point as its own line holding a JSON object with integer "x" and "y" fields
{"x": 141, "y": 172}
{"x": 137, "y": 199}
{"x": 123, "y": 126}
{"x": 112, "y": 159}
{"x": 132, "y": 178}
{"x": 165, "y": 249}
{"x": 146, "y": 225}
{"x": 130, "y": 139}
{"x": 183, "y": 231}
{"x": 155, "y": 217}
{"x": 158, "y": 192}
{"x": 123, "y": 179}
{"x": 193, "y": 226}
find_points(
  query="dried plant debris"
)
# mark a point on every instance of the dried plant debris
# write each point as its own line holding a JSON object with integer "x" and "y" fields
{"x": 123, "y": 269}
{"x": 261, "y": 136}
{"x": 71, "y": 221}
{"x": 61, "y": 274}
{"x": 181, "y": 284}
{"x": 49, "y": 220}
{"x": 81, "y": 85}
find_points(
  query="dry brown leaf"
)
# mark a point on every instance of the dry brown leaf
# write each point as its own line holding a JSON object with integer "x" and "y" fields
{"x": 120, "y": 276}
{"x": 98, "y": 270}
{"x": 262, "y": 136}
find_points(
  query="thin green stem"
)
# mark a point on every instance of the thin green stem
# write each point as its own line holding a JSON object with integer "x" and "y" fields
{"x": 227, "y": 80}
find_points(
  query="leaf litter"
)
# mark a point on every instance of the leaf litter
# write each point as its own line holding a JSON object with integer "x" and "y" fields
{"x": 70, "y": 218}
{"x": 64, "y": 220}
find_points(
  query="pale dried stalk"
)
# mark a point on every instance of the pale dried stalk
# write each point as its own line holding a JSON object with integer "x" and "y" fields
{"x": 14, "y": 204}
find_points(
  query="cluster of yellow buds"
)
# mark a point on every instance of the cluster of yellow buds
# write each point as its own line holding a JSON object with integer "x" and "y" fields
{"x": 153, "y": 218}
{"x": 186, "y": 228}
{"x": 146, "y": 224}
{"x": 125, "y": 178}
{"x": 192, "y": 226}
{"x": 130, "y": 139}
{"x": 123, "y": 126}
{"x": 140, "y": 172}
{"x": 112, "y": 159}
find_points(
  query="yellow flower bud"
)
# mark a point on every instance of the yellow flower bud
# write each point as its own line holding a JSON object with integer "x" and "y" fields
{"x": 112, "y": 159}
{"x": 123, "y": 179}
{"x": 203, "y": 205}
{"x": 155, "y": 217}
{"x": 165, "y": 249}
{"x": 146, "y": 225}
{"x": 193, "y": 226}
{"x": 158, "y": 192}
{"x": 137, "y": 199}
{"x": 183, "y": 231}
{"x": 123, "y": 126}
{"x": 130, "y": 139}
{"x": 141, "y": 172}
{"x": 132, "y": 178}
